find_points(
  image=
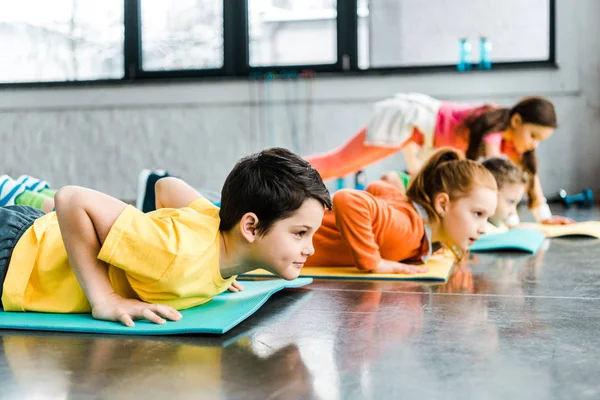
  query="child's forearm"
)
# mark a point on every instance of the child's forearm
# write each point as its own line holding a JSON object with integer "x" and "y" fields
{"x": 538, "y": 193}
{"x": 539, "y": 207}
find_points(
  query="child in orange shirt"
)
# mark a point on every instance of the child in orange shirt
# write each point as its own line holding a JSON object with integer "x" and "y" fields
{"x": 511, "y": 181}
{"x": 382, "y": 230}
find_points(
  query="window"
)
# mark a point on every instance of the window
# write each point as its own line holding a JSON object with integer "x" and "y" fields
{"x": 412, "y": 33}
{"x": 127, "y": 40}
{"x": 292, "y": 32}
{"x": 61, "y": 40}
{"x": 182, "y": 34}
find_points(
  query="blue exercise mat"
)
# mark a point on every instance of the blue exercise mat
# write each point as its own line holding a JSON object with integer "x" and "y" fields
{"x": 218, "y": 316}
{"x": 527, "y": 240}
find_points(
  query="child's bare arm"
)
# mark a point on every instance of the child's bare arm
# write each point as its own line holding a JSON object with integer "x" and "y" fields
{"x": 537, "y": 192}
{"x": 413, "y": 163}
{"x": 174, "y": 193}
{"x": 545, "y": 216}
{"x": 85, "y": 218}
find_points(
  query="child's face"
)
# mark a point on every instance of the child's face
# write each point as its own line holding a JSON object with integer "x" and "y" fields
{"x": 509, "y": 195}
{"x": 465, "y": 218}
{"x": 285, "y": 248}
{"x": 527, "y": 137}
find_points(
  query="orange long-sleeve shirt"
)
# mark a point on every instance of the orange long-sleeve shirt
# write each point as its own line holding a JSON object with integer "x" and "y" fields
{"x": 367, "y": 226}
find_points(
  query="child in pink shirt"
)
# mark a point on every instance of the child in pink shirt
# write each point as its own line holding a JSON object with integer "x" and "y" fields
{"x": 418, "y": 124}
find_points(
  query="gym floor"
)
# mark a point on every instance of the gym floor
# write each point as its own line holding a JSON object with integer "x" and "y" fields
{"x": 504, "y": 326}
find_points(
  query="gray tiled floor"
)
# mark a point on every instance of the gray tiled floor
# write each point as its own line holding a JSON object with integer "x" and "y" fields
{"x": 505, "y": 326}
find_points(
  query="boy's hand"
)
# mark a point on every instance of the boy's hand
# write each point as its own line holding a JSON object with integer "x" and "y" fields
{"x": 393, "y": 267}
{"x": 558, "y": 220}
{"x": 117, "y": 308}
{"x": 236, "y": 287}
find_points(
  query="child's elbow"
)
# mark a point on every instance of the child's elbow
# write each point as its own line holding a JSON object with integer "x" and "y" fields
{"x": 165, "y": 184}
{"x": 163, "y": 188}
{"x": 70, "y": 198}
{"x": 63, "y": 197}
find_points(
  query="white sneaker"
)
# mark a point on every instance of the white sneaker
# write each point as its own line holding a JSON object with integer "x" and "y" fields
{"x": 146, "y": 196}
{"x": 33, "y": 184}
{"x": 9, "y": 190}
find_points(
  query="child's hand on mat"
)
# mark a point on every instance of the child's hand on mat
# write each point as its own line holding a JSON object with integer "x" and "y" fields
{"x": 558, "y": 220}
{"x": 117, "y": 308}
{"x": 393, "y": 267}
{"x": 236, "y": 287}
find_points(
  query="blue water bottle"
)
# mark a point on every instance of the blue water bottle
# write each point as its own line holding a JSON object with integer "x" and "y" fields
{"x": 464, "y": 55}
{"x": 485, "y": 53}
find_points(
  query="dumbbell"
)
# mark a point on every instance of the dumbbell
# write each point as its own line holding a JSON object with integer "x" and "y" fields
{"x": 584, "y": 199}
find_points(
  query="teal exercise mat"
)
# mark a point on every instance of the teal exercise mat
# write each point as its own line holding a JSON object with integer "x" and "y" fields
{"x": 218, "y": 316}
{"x": 527, "y": 240}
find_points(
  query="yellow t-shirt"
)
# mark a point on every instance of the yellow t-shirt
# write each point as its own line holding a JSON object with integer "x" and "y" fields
{"x": 168, "y": 256}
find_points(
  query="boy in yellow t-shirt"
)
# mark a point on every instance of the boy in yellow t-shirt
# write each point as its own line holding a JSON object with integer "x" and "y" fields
{"x": 96, "y": 253}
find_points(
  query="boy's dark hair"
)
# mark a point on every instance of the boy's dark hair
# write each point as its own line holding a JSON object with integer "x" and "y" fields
{"x": 273, "y": 184}
{"x": 505, "y": 171}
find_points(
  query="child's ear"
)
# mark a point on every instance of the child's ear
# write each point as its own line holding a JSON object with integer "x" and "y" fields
{"x": 516, "y": 120}
{"x": 248, "y": 225}
{"x": 441, "y": 204}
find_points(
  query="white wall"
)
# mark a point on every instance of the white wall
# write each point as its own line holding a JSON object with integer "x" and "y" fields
{"x": 414, "y": 32}
{"x": 102, "y": 136}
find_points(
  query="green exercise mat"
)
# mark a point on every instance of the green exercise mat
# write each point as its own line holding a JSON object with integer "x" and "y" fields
{"x": 218, "y": 316}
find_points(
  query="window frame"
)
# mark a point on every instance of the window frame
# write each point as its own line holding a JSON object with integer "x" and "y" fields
{"x": 236, "y": 53}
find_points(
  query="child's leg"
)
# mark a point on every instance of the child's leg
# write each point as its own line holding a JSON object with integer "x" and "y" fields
{"x": 14, "y": 220}
{"x": 36, "y": 200}
{"x": 9, "y": 190}
{"x": 16, "y": 191}
{"x": 33, "y": 184}
{"x": 350, "y": 157}
{"x": 48, "y": 193}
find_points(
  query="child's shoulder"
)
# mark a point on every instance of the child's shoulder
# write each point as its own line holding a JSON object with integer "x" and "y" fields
{"x": 199, "y": 217}
{"x": 199, "y": 206}
{"x": 204, "y": 206}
